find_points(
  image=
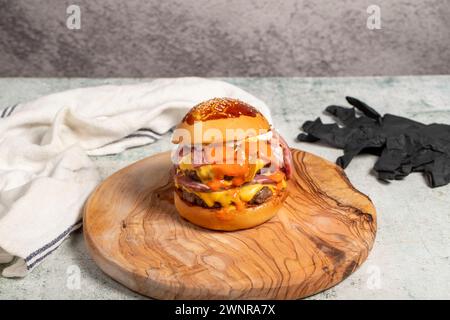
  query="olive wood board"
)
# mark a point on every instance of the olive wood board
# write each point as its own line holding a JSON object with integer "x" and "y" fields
{"x": 322, "y": 234}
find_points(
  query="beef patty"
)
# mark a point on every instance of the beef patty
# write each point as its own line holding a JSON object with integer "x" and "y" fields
{"x": 260, "y": 197}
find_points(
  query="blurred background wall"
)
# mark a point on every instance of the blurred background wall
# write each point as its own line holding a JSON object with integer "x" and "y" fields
{"x": 155, "y": 38}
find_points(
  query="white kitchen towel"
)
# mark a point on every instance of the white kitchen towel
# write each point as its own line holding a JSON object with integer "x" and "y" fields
{"x": 45, "y": 172}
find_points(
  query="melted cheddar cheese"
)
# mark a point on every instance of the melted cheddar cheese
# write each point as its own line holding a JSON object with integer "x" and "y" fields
{"x": 210, "y": 172}
{"x": 236, "y": 196}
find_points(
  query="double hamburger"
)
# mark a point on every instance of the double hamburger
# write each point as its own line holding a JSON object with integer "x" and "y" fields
{"x": 230, "y": 167}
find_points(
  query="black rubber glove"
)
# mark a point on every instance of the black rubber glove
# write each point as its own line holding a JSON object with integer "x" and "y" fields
{"x": 403, "y": 145}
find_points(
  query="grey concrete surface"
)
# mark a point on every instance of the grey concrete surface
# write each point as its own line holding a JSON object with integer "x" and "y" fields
{"x": 410, "y": 258}
{"x": 152, "y": 38}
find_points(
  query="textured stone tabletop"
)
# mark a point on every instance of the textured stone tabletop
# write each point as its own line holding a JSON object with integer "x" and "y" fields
{"x": 410, "y": 258}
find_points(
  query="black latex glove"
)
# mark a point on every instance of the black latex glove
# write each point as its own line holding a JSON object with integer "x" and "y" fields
{"x": 403, "y": 145}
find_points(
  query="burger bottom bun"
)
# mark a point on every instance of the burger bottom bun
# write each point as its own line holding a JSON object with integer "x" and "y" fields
{"x": 234, "y": 220}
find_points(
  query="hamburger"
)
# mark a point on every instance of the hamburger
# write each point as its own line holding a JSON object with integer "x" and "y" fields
{"x": 230, "y": 166}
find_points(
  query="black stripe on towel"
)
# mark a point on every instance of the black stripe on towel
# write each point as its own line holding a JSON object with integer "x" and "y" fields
{"x": 138, "y": 135}
{"x": 156, "y": 134}
{"x": 51, "y": 243}
{"x": 31, "y": 265}
{"x": 4, "y": 112}
{"x": 8, "y": 111}
{"x": 12, "y": 109}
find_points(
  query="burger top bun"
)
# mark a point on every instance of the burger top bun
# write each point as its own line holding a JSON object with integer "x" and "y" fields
{"x": 219, "y": 120}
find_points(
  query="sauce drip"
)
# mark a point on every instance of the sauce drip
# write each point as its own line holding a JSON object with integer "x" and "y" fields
{"x": 219, "y": 108}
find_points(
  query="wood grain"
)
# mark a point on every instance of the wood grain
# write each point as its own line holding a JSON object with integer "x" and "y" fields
{"x": 324, "y": 231}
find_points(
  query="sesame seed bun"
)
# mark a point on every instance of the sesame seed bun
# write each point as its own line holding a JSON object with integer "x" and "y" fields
{"x": 218, "y": 119}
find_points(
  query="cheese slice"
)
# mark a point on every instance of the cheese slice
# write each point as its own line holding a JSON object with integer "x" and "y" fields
{"x": 232, "y": 196}
{"x": 205, "y": 172}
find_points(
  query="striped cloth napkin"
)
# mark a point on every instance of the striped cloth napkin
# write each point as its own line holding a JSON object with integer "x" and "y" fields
{"x": 45, "y": 170}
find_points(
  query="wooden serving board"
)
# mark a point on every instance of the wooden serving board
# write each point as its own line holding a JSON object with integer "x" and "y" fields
{"x": 324, "y": 231}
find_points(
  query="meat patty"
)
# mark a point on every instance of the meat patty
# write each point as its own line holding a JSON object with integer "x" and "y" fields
{"x": 194, "y": 199}
{"x": 259, "y": 198}
{"x": 262, "y": 195}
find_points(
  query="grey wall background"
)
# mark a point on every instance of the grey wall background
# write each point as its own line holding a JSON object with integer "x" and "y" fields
{"x": 156, "y": 38}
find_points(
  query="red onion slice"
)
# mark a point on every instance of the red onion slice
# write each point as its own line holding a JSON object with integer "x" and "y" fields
{"x": 191, "y": 184}
{"x": 262, "y": 179}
